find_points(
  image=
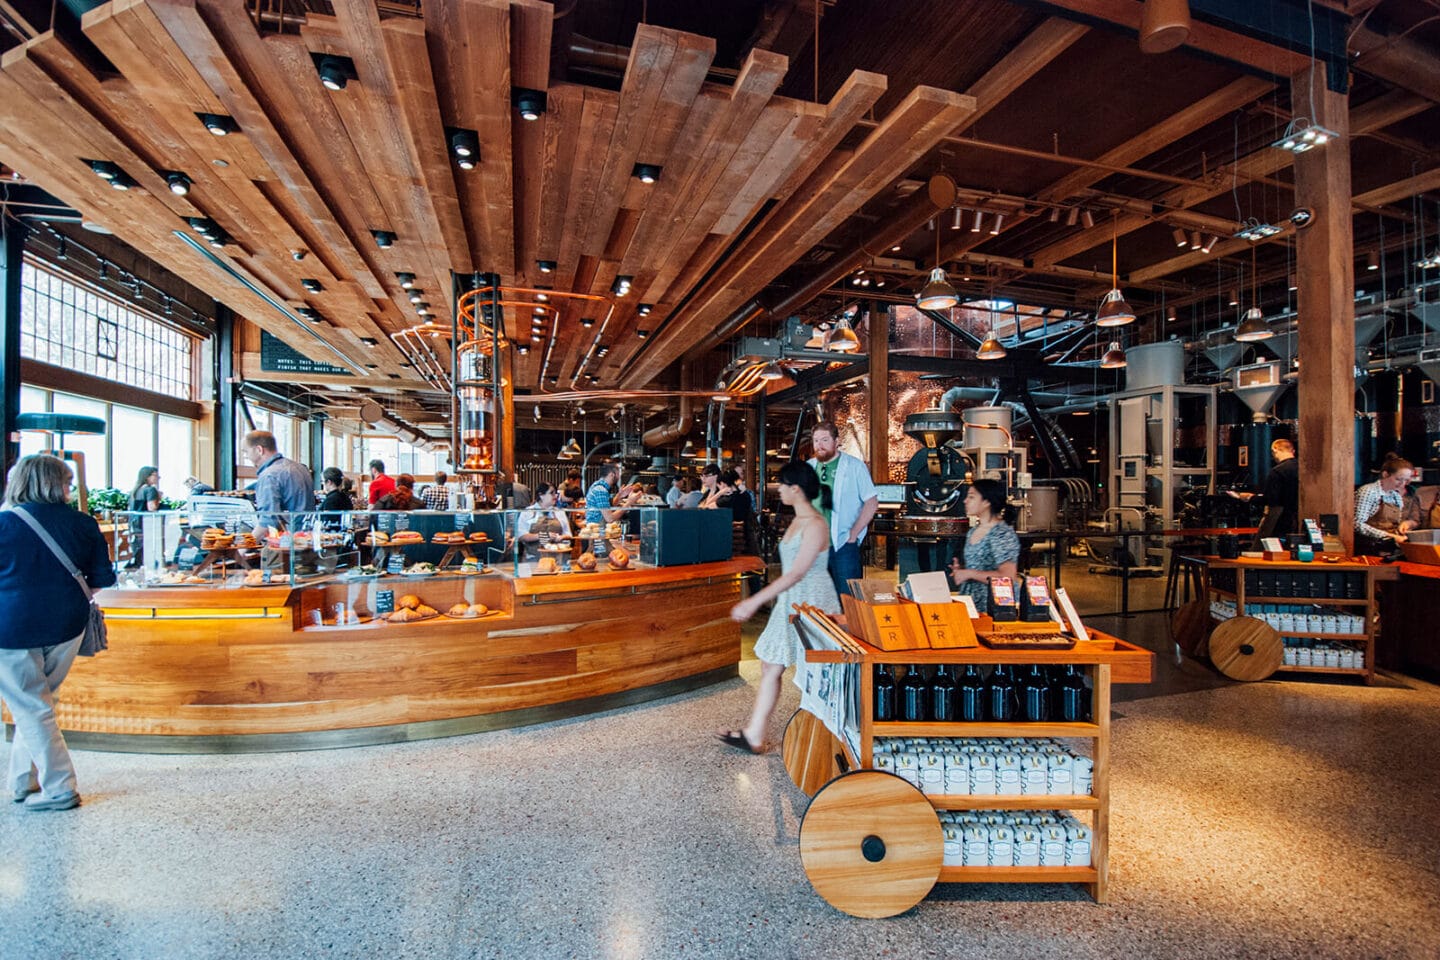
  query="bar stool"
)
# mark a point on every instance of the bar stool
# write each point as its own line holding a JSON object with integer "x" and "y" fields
{"x": 1186, "y": 572}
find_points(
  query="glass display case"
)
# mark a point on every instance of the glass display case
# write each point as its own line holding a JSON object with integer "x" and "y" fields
{"x": 230, "y": 547}
{"x": 554, "y": 541}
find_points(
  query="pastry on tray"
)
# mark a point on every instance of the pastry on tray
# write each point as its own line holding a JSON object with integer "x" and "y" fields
{"x": 467, "y": 611}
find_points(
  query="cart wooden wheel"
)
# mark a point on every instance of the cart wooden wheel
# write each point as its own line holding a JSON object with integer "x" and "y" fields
{"x": 871, "y": 844}
{"x": 809, "y": 752}
{"x": 1246, "y": 648}
{"x": 1188, "y": 626}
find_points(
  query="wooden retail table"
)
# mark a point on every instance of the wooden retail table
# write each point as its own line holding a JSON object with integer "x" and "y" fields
{"x": 1257, "y": 586}
{"x": 871, "y": 842}
{"x": 197, "y": 669}
{"x": 1409, "y": 612}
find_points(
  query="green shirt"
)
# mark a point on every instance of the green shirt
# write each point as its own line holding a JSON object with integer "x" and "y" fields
{"x": 827, "y": 479}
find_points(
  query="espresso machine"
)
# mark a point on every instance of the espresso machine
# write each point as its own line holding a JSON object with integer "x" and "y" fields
{"x": 937, "y": 480}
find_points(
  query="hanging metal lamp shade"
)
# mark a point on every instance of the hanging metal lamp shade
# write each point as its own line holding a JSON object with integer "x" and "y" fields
{"x": 937, "y": 294}
{"x": 1114, "y": 311}
{"x": 990, "y": 348}
{"x": 1164, "y": 25}
{"x": 1114, "y": 358}
{"x": 1253, "y": 327}
{"x": 843, "y": 338}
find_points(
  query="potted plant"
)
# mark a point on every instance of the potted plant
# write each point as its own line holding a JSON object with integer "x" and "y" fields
{"x": 104, "y": 501}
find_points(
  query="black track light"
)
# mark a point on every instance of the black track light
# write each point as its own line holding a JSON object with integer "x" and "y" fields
{"x": 121, "y": 182}
{"x": 587, "y": 322}
{"x": 416, "y": 295}
{"x": 546, "y": 266}
{"x": 104, "y": 169}
{"x": 464, "y": 147}
{"x": 104, "y": 270}
{"x": 178, "y": 183}
{"x": 60, "y": 252}
{"x": 370, "y": 342}
{"x": 384, "y": 239}
{"x": 530, "y": 103}
{"x": 309, "y": 313}
{"x": 621, "y": 286}
{"x": 202, "y": 225}
{"x": 521, "y": 349}
{"x": 407, "y": 280}
{"x": 219, "y": 124}
{"x": 335, "y": 71}
{"x": 644, "y": 309}
{"x": 646, "y": 172}
{"x": 421, "y": 306}
{"x": 642, "y": 334}
{"x": 313, "y": 286}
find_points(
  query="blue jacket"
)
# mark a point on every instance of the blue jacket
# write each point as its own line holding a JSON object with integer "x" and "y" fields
{"x": 43, "y": 604}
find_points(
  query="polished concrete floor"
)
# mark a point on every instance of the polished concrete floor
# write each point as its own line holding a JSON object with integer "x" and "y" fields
{"x": 1279, "y": 819}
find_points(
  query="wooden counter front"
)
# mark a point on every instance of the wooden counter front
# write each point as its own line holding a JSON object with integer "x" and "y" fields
{"x": 239, "y": 669}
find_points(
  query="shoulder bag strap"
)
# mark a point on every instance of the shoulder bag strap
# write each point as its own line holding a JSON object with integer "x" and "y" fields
{"x": 60, "y": 554}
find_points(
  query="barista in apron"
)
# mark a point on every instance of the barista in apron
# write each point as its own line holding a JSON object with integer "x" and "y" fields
{"x": 541, "y": 522}
{"x": 1383, "y": 514}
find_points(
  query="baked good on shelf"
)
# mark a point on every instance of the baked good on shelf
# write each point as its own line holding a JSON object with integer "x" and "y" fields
{"x": 461, "y": 611}
{"x": 479, "y": 538}
{"x": 586, "y": 561}
{"x": 379, "y": 538}
{"x": 479, "y": 609}
{"x": 409, "y": 602}
{"x": 407, "y": 536}
{"x": 427, "y": 611}
{"x": 254, "y": 578}
{"x": 546, "y": 565}
{"x": 404, "y": 615}
{"x": 619, "y": 557}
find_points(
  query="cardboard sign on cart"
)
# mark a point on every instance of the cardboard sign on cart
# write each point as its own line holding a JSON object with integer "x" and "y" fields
{"x": 947, "y": 623}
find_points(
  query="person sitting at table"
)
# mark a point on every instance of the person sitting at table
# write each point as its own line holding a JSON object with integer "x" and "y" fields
{"x": 541, "y": 521}
{"x": 991, "y": 549}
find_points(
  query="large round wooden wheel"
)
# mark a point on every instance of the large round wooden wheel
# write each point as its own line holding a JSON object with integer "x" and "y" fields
{"x": 809, "y": 752}
{"x": 871, "y": 844}
{"x": 1246, "y": 648}
{"x": 1188, "y": 626}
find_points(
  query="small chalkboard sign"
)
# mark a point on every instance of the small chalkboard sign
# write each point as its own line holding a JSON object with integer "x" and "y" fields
{"x": 384, "y": 602}
{"x": 396, "y": 563}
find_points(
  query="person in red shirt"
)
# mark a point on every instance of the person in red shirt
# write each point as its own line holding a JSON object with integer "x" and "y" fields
{"x": 380, "y": 484}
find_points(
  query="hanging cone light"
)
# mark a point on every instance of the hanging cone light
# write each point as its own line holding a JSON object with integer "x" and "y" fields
{"x": 991, "y": 348}
{"x": 1114, "y": 358}
{"x": 843, "y": 338}
{"x": 1253, "y": 327}
{"x": 1114, "y": 311}
{"x": 772, "y": 371}
{"x": 1164, "y": 25}
{"x": 573, "y": 449}
{"x": 937, "y": 294}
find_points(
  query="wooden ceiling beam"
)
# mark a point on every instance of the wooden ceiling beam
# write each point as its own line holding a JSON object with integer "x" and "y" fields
{"x": 532, "y": 30}
{"x": 1401, "y": 189}
{"x": 470, "y": 44}
{"x": 1207, "y": 38}
{"x": 1400, "y": 61}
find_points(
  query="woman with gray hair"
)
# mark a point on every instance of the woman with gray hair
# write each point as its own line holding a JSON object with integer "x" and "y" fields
{"x": 46, "y": 615}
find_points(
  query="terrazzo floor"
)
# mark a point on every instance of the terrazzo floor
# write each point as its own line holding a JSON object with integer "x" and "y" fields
{"x": 1279, "y": 819}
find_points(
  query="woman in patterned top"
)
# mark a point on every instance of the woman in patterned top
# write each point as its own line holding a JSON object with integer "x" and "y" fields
{"x": 991, "y": 549}
{"x": 1383, "y": 517}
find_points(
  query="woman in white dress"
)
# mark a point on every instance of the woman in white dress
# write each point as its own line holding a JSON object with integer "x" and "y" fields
{"x": 804, "y": 578}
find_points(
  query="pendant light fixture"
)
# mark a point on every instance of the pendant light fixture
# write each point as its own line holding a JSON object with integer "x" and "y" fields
{"x": 1114, "y": 358}
{"x": 572, "y": 448}
{"x": 1114, "y": 311}
{"x": 991, "y": 348}
{"x": 1253, "y": 326}
{"x": 937, "y": 294}
{"x": 772, "y": 371}
{"x": 843, "y": 338}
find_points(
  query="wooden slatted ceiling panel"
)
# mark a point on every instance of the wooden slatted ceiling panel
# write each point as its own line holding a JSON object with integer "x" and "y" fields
{"x": 827, "y": 199}
{"x": 470, "y": 43}
{"x": 530, "y": 142}
{"x": 735, "y": 179}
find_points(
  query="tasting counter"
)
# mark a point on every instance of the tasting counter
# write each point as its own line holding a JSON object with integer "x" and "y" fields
{"x": 243, "y": 669}
{"x": 1409, "y": 611}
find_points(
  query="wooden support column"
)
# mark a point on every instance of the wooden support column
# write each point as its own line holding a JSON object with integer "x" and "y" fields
{"x": 12, "y": 252}
{"x": 506, "y": 410}
{"x": 879, "y": 392}
{"x": 1324, "y": 253}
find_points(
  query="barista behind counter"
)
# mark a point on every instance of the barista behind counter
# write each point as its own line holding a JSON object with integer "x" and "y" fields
{"x": 281, "y": 484}
{"x": 540, "y": 522}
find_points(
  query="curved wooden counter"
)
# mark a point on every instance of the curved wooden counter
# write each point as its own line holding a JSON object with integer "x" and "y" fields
{"x": 245, "y": 669}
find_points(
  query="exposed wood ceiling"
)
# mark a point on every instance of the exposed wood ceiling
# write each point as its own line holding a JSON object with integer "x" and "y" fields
{"x": 1028, "y": 109}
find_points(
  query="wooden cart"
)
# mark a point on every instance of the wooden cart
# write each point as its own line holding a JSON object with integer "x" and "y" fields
{"x": 872, "y": 843}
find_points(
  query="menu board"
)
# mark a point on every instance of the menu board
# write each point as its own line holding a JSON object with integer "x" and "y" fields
{"x": 278, "y": 356}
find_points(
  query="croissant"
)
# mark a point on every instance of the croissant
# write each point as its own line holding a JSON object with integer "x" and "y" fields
{"x": 460, "y": 610}
{"x": 409, "y": 601}
{"x": 423, "y": 611}
{"x": 479, "y": 609}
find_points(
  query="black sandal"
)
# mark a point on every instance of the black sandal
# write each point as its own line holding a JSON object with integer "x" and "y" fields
{"x": 738, "y": 740}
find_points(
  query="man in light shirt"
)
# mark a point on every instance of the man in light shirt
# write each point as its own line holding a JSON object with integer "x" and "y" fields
{"x": 848, "y": 501}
